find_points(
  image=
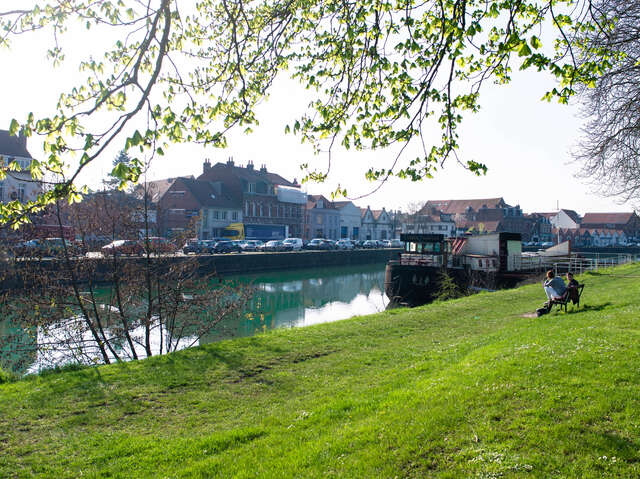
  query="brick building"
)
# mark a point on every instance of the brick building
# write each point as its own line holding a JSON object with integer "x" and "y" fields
{"x": 266, "y": 198}
{"x": 629, "y": 223}
{"x": 207, "y": 207}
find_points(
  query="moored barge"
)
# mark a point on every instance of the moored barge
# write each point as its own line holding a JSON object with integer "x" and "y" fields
{"x": 491, "y": 261}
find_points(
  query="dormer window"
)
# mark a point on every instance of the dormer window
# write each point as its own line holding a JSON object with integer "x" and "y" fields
{"x": 251, "y": 187}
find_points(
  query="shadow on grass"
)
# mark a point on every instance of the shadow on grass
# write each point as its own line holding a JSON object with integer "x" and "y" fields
{"x": 590, "y": 307}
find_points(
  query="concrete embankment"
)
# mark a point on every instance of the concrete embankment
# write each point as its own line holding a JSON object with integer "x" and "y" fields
{"x": 18, "y": 273}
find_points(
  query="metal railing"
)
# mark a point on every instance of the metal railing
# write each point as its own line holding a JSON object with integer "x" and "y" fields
{"x": 574, "y": 263}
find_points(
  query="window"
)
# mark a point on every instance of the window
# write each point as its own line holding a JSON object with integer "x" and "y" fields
{"x": 246, "y": 208}
{"x": 252, "y": 187}
{"x": 319, "y": 219}
{"x": 177, "y": 193}
{"x": 224, "y": 215}
{"x": 234, "y": 215}
{"x": 216, "y": 215}
{"x": 1, "y": 191}
{"x": 21, "y": 189}
{"x": 261, "y": 210}
{"x": 205, "y": 220}
{"x": 176, "y": 211}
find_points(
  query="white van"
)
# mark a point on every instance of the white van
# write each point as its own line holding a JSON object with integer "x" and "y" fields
{"x": 295, "y": 243}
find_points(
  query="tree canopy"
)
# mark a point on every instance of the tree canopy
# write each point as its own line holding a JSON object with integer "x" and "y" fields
{"x": 381, "y": 73}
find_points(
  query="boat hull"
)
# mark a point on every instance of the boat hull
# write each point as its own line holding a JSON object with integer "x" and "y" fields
{"x": 414, "y": 285}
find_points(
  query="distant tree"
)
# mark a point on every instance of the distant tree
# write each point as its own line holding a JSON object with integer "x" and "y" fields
{"x": 113, "y": 306}
{"x": 382, "y": 74}
{"x": 610, "y": 151}
{"x": 121, "y": 162}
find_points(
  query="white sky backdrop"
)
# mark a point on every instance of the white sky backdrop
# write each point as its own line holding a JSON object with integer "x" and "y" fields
{"x": 525, "y": 142}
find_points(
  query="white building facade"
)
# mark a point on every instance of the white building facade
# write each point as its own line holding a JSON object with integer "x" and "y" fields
{"x": 376, "y": 224}
{"x": 350, "y": 220}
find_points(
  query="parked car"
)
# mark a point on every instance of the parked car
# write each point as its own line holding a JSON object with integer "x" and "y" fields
{"x": 118, "y": 247}
{"x": 251, "y": 245}
{"x": 370, "y": 244}
{"x": 546, "y": 244}
{"x": 27, "y": 248}
{"x": 345, "y": 244}
{"x": 226, "y": 246}
{"x": 197, "y": 246}
{"x": 396, "y": 243}
{"x": 158, "y": 244}
{"x": 56, "y": 246}
{"x": 276, "y": 245}
{"x": 386, "y": 243}
{"x": 238, "y": 244}
{"x": 319, "y": 244}
{"x": 331, "y": 244}
{"x": 295, "y": 243}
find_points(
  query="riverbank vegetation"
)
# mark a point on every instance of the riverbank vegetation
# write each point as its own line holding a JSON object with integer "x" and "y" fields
{"x": 473, "y": 387}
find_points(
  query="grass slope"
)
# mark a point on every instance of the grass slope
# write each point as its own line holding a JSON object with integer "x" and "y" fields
{"x": 466, "y": 388}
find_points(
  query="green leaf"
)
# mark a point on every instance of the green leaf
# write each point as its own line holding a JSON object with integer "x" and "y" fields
{"x": 524, "y": 50}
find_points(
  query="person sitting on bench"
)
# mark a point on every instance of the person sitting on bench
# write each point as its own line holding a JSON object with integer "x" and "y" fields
{"x": 554, "y": 287}
{"x": 572, "y": 288}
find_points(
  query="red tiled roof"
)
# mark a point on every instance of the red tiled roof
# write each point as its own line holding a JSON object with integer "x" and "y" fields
{"x": 609, "y": 218}
{"x": 156, "y": 188}
{"x": 461, "y": 206}
{"x": 207, "y": 195}
{"x": 312, "y": 201}
{"x": 248, "y": 174}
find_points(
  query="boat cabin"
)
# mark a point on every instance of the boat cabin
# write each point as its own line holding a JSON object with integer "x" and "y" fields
{"x": 425, "y": 249}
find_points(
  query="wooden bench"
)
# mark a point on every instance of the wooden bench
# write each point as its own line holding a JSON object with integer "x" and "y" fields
{"x": 568, "y": 296}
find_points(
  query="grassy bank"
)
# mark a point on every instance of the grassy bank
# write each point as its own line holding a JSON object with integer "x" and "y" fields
{"x": 466, "y": 388}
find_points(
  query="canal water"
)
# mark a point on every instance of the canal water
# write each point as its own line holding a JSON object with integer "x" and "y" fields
{"x": 284, "y": 299}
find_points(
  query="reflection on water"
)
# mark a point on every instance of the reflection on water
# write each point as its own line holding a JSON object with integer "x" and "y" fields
{"x": 281, "y": 300}
{"x": 304, "y": 297}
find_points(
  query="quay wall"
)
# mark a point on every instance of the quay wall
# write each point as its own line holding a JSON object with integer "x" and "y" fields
{"x": 23, "y": 272}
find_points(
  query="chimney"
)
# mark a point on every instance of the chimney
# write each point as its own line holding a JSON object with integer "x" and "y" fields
{"x": 263, "y": 168}
{"x": 206, "y": 166}
{"x": 250, "y": 165}
{"x": 230, "y": 161}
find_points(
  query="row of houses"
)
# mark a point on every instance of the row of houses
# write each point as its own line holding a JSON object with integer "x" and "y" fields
{"x": 489, "y": 215}
{"x": 264, "y": 202}
{"x": 269, "y": 205}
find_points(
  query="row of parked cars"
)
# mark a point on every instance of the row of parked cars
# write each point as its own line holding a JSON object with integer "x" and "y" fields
{"x": 196, "y": 246}
{"x": 55, "y": 247}
{"x": 159, "y": 245}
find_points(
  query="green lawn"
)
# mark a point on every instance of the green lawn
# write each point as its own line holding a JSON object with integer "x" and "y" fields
{"x": 465, "y": 388}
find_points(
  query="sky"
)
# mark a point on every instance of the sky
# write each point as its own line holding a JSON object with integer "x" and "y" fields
{"x": 525, "y": 142}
